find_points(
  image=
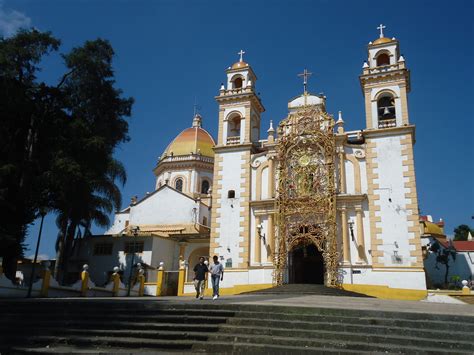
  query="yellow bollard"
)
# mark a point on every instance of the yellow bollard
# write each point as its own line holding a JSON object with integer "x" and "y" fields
{"x": 45, "y": 284}
{"x": 465, "y": 289}
{"x": 85, "y": 280}
{"x": 116, "y": 281}
{"x": 182, "y": 271}
{"x": 159, "y": 279}
{"x": 141, "y": 282}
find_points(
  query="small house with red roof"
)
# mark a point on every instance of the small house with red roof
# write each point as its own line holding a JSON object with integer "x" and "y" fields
{"x": 459, "y": 254}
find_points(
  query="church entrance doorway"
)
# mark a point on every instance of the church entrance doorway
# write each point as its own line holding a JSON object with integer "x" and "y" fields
{"x": 306, "y": 265}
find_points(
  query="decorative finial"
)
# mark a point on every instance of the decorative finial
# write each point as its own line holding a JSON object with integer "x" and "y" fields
{"x": 401, "y": 59}
{"x": 241, "y": 53}
{"x": 197, "y": 120}
{"x": 340, "y": 123}
{"x": 381, "y": 27}
{"x": 271, "y": 133}
{"x": 365, "y": 65}
{"x": 305, "y": 74}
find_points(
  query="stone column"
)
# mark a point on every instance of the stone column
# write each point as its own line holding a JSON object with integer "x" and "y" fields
{"x": 342, "y": 171}
{"x": 182, "y": 250}
{"x": 258, "y": 249}
{"x": 345, "y": 237}
{"x": 360, "y": 235}
{"x": 271, "y": 236}
{"x": 271, "y": 177}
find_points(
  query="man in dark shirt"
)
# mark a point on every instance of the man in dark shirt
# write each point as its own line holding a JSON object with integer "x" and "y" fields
{"x": 200, "y": 277}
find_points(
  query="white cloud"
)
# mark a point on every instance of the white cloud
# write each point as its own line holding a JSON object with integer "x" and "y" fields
{"x": 11, "y": 20}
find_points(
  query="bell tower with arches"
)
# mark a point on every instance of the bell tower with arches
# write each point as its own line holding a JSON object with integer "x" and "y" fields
{"x": 238, "y": 138}
{"x": 385, "y": 82}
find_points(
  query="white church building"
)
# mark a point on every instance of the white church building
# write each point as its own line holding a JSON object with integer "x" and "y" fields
{"x": 223, "y": 197}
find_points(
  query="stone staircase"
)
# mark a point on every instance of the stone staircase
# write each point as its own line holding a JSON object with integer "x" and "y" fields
{"x": 306, "y": 289}
{"x": 148, "y": 325}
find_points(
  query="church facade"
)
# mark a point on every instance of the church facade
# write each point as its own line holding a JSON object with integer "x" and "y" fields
{"x": 309, "y": 203}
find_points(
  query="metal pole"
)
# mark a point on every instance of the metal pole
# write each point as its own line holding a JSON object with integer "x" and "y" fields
{"x": 30, "y": 286}
{"x": 131, "y": 271}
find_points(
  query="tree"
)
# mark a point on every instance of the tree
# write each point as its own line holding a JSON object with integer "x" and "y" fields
{"x": 98, "y": 126}
{"x": 30, "y": 118}
{"x": 461, "y": 232}
{"x": 443, "y": 257}
{"x": 58, "y": 140}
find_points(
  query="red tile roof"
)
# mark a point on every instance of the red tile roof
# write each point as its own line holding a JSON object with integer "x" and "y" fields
{"x": 464, "y": 245}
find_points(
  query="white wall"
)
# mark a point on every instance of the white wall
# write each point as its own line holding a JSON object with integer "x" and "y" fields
{"x": 229, "y": 221}
{"x": 163, "y": 207}
{"x": 391, "y": 278}
{"x": 392, "y": 202}
{"x": 119, "y": 223}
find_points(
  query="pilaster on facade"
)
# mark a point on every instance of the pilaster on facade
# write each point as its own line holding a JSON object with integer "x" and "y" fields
{"x": 412, "y": 200}
{"x": 245, "y": 210}
{"x": 373, "y": 197}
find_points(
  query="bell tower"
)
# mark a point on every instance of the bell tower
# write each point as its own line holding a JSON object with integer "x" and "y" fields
{"x": 385, "y": 82}
{"x": 238, "y": 137}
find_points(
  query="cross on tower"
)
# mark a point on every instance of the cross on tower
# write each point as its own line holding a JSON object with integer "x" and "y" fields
{"x": 305, "y": 74}
{"x": 241, "y": 53}
{"x": 381, "y": 27}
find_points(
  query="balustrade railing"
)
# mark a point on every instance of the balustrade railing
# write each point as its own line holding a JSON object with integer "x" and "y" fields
{"x": 233, "y": 140}
{"x": 388, "y": 123}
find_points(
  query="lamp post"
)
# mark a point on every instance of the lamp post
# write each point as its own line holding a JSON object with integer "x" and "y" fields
{"x": 351, "y": 228}
{"x": 260, "y": 234}
{"x": 135, "y": 231}
{"x": 30, "y": 286}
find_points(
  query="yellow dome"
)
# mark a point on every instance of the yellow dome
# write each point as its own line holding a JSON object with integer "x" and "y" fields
{"x": 192, "y": 140}
{"x": 238, "y": 65}
{"x": 382, "y": 40}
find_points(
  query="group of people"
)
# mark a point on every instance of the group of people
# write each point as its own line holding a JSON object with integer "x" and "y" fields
{"x": 217, "y": 274}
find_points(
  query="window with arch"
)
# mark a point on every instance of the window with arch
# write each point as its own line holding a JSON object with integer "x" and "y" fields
{"x": 205, "y": 187}
{"x": 238, "y": 82}
{"x": 178, "y": 184}
{"x": 386, "y": 108}
{"x": 233, "y": 129}
{"x": 383, "y": 59}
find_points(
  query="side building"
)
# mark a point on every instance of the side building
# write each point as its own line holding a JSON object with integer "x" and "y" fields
{"x": 169, "y": 225}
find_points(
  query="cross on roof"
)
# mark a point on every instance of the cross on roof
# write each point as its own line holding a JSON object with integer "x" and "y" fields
{"x": 241, "y": 53}
{"x": 381, "y": 27}
{"x": 305, "y": 74}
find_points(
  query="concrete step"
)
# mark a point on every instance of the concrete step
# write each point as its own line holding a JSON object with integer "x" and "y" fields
{"x": 186, "y": 326}
{"x": 199, "y": 334}
{"x": 306, "y": 289}
{"x": 308, "y": 322}
{"x": 242, "y": 319}
{"x": 333, "y": 344}
{"x": 425, "y": 339}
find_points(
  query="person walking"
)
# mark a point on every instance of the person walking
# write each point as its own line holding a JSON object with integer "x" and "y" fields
{"x": 217, "y": 274}
{"x": 200, "y": 271}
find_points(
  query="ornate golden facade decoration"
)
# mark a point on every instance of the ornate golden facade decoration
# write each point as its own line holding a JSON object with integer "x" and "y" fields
{"x": 306, "y": 196}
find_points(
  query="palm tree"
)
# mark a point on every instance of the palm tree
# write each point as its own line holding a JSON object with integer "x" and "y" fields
{"x": 91, "y": 203}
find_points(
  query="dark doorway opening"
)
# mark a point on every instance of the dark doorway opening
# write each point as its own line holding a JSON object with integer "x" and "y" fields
{"x": 306, "y": 265}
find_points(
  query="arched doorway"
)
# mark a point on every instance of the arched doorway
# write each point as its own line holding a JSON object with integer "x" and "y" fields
{"x": 306, "y": 265}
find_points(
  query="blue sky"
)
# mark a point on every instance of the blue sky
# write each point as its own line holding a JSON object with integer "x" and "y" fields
{"x": 170, "y": 53}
